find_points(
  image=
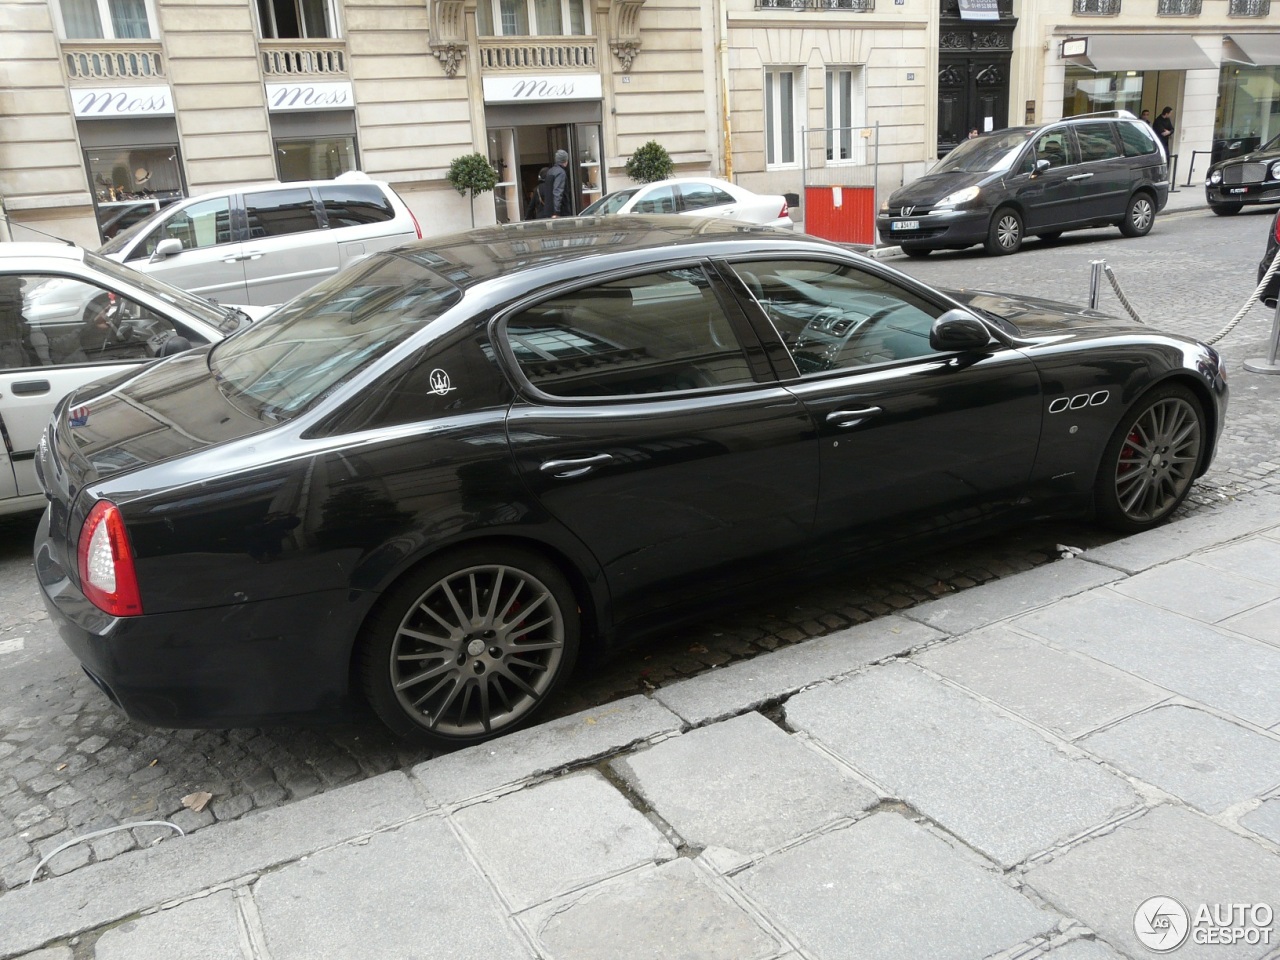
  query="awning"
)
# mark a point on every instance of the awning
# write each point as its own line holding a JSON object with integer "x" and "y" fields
{"x": 1255, "y": 49}
{"x": 1109, "y": 52}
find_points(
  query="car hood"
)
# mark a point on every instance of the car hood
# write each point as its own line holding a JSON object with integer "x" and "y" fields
{"x": 1034, "y": 317}
{"x": 932, "y": 187}
{"x": 1258, "y": 156}
{"x": 165, "y": 410}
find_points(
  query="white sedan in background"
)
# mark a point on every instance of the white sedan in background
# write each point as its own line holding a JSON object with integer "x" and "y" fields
{"x": 697, "y": 197}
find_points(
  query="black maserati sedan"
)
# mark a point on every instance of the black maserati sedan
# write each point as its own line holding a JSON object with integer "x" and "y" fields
{"x": 430, "y": 482}
{"x": 1253, "y": 178}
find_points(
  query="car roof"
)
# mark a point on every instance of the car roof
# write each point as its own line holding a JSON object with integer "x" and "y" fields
{"x": 591, "y": 244}
{"x": 21, "y": 250}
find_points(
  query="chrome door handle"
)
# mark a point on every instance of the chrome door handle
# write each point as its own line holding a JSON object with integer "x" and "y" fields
{"x": 851, "y": 418}
{"x": 564, "y": 469}
{"x": 1079, "y": 176}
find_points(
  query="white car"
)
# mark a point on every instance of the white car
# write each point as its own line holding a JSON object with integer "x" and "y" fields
{"x": 697, "y": 197}
{"x": 69, "y": 317}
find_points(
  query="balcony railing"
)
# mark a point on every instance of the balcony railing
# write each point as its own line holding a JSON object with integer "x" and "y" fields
{"x": 1178, "y": 8}
{"x": 1249, "y": 8}
{"x": 306, "y": 58}
{"x": 857, "y": 6}
{"x": 1096, "y": 8}
{"x": 538, "y": 53}
{"x": 97, "y": 60}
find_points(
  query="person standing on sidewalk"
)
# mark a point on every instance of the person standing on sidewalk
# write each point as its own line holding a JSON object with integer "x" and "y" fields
{"x": 1163, "y": 127}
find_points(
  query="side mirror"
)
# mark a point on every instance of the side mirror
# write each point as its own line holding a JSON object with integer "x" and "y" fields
{"x": 958, "y": 331}
{"x": 1040, "y": 167}
{"x": 166, "y": 248}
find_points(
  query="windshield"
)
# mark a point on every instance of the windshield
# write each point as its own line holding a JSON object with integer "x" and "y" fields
{"x": 610, "y": 204}
{"x": 217, "y": 317}
{"x": 986, "y": 154}
{"x": 276, "y": 368}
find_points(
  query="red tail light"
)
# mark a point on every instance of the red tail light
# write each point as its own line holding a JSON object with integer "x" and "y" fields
{"x": 785, "y": 211}
{"x": 415, "y": 224}
{"x": 107, "y": 575}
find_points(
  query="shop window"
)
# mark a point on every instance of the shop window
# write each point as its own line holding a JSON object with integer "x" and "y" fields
{"x": 781, "y": 129}
{"x": 321, "y": 159}
{"x": 132, "y": 183}
{"x": 1089, "y": 92}
{"x": 297, "y": 19}
{"x": 522, "y": 18}
{"x": 846, "y": 114}
{"x": 105, "y": 19}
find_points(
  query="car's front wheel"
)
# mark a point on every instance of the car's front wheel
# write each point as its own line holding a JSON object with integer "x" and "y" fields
{"x": 1226, "y": 209}
{"x": 469, "y": 646}
{"x": 1139, "y": 216}
{"x": 1005, "y": 233}
{"x": 913, "y": 251}
{"x": 1151, "y": 460}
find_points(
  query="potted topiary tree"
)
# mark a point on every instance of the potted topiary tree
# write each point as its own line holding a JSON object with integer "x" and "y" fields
{"x": 649, "y": 163}
{"x": 472, "y": 172}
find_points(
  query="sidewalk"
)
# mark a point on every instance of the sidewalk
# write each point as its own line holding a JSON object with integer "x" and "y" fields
{"x": 1006, "y": 772}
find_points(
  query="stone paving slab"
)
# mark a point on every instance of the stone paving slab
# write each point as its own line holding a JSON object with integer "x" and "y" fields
{"x": 1198, "y": 591}
{"x": 585, "y": 736}
{"x": 105, "y": 892}
{"x": 995, "y": 783}
{"x": 667, "y": 912}
{"x": 418, "y": 894}
{"x": 1169, "y": 852}
{"x": 743, "y": 784}
{"x": 745, "y": 686}
{"x": 1256, "y": 558}
{"x": 1064, "y": 692}
{"x": 1261, "y": 623}
{"x": 1082, "y": 950}
{"x": 558, "y": 836}
{"x": 1201, "y": 759}
{"x": 886, "y": 889}
{"x": 1176, "y": 540}
{"x": 205, "y": 927}
{"x": 1265, "y": 820}
{"x": 1222, "y": 670}
{"x": 1000, "y": 599}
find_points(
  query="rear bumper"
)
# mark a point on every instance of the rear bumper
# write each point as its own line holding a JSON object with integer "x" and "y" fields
{"x": 271, "y": 661}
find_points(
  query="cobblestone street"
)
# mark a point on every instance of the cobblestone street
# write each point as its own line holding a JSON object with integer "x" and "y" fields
{"x": 70, "y": 763}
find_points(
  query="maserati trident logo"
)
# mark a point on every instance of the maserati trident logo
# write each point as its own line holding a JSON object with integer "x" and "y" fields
{"x": 440, "y": 382}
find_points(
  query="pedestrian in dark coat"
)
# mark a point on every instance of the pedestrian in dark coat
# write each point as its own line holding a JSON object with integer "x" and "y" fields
{"x": 1163, "y": 126}
{"x": 555, "y": 187}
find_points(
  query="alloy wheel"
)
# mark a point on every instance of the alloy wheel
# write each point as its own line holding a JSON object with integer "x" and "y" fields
{"x": 1157, "y": 460}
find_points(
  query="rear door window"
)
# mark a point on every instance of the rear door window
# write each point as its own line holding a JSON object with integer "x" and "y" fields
{"x": 350, "y": 205}
{"x": 657, "y": 333}
{"x": 658, "y": 200}
{"x": 278, "y": 213}
{"x": 703, "y": 196}
{"x": 1137, "y": 139}
{"x": 1097, "y": 142}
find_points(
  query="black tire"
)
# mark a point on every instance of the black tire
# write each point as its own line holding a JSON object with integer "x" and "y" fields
{"x": 460, "y": 624}
{"x": 1226, "y": 209}
{"x": 914, "y": 251}
{"x": 1050, "y": 237}
{"x": 1139, "y": 215}
{"x": 1005, "y": 234}
{"x": 1151, "y": 460}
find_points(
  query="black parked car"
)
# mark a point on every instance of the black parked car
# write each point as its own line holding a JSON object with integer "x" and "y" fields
{"x": 432, "y": 479}
{"x": 1095, "y": 170}
{"x": 1251, "y": 179}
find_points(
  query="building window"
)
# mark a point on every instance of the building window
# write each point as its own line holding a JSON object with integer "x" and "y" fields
{"x": 1096, "y": 8}
{"x": 1088, "y": 92}
{"x": 523, "y": 18}
{"x": 845, "y": 114}
{"x": 297, "y": 19}
{"x": 131, "y": 183}
{"x": 780, "y": 127}
{"x": 1178, "y": 8}
{"x": 320, "y": 159}
{"x": 1248, "y": 8}
{"x": 105, "y": 19}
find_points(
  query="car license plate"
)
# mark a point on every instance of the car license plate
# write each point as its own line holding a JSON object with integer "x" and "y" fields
{"x": 1238, "y": 190}
{"x": 905, "y": 225}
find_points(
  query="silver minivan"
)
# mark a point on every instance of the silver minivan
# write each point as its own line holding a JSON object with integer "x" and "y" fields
{"x": 266, "y": 243}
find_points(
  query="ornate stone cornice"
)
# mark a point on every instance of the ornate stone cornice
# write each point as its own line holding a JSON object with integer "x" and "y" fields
{"x": 624, "y": 31}
{"x": 448, "y": 33}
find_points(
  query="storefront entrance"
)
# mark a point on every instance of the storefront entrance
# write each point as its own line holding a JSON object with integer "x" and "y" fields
{"x": 521, "y": 153}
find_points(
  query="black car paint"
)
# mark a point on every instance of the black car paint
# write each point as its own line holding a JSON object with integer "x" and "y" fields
{"x": 1237, "y": 186}
{"x": 262, "y": 548}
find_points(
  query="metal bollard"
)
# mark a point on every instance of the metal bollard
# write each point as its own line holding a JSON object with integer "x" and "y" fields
{"x": 1095, "y": 281}
{"x": 1269, "y": 365}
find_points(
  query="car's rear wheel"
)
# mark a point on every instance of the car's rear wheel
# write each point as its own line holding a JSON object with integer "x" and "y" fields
{"x": 1139, "y": 216}
{"x": 913, "y": 251}
{"x": 1226, "y": 209}
{"x": 1151, "y": 459}
{"x": 1005, "y": 233}
{"x": 469, "y": 646}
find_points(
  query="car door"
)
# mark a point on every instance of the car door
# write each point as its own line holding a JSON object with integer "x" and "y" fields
{"x": 1048, "y": 197}
{"x": 288, "y": 249}
{"x": 652, "y": 431}
{"x": 912, "y": 440}
{"x": 66, "y": 332}
{"x": 210, "y": 262}
{"x": 1104, "y": 176}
